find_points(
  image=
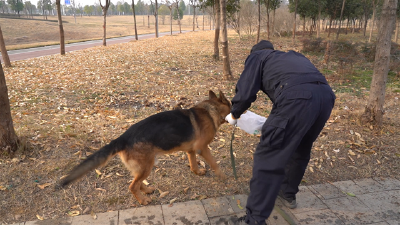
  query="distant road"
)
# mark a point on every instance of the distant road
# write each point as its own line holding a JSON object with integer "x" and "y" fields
{"x": 28, "y": 53}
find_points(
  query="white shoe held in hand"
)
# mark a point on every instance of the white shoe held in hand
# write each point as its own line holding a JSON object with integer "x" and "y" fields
{"x": 230, "y": 119}
{"x": 251, "y": 122}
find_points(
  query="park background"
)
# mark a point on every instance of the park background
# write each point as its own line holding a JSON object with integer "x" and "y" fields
{"x": 65, "y": 107}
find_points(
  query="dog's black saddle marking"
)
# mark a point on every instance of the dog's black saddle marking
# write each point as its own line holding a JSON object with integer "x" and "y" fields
{"x": 165, "y": 130}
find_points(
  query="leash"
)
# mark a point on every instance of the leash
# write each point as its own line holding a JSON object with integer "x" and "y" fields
{"x": 232, "y": 156}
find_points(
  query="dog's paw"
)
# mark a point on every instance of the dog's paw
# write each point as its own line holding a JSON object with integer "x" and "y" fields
{"x": 147, "y": 190}
{"x": 201, "y": 172}
{"x": 144, "y": 200}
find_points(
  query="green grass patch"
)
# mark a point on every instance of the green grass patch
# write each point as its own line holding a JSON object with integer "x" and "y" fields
{"x": 356, "y": 82}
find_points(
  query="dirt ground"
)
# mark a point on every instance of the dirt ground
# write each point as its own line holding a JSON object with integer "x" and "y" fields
{"x": 66, "y": 107}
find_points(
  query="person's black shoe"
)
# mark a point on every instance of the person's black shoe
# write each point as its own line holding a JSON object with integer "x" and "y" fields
{"x": 241, "y": 220}
{"x": 288, "y": 202}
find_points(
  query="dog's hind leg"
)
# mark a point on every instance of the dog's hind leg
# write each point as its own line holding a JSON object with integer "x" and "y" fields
{"x": 137, "y": 184}
{"x": 193, "y": 164}
{"x": 140, "y": 166}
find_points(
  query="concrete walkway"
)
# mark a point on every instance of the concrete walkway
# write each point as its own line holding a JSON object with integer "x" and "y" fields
{"x": 365, "y": 201}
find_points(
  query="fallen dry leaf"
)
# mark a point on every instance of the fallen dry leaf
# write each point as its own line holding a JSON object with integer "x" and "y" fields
{"x": 369, "y": 152}
{"x": 73, "y": 213}
{"x": 106, "y": 176}
{"x": 39, "y": 217}
{"x": 172, "y": 200}
{"x": 351, "y": 153}
{"x": 98, "y": 172}
{"x": 77, "y": 153}
{"x": 94, "y": 216}
{"x": 202, "y": 197}
{"x": 186, "y": 190}
{"x": 238, "y": 204}
{"x": 194, "y": 196}
{"x": 42, "y": 186}
{"x": 163, "y": 194}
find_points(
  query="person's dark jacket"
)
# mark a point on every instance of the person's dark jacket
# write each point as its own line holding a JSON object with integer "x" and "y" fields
{"x": 272, "y": 71}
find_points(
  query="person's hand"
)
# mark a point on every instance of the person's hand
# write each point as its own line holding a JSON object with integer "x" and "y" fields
{"x": 230, "y": 119}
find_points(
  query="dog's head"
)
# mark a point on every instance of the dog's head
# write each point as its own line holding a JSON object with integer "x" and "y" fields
{"x": 223, "y": 105}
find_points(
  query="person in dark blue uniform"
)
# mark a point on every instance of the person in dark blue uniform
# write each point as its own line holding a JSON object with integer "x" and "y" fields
{"x": 302, "y": 103}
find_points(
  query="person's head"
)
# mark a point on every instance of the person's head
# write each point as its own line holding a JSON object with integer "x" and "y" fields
{"x": 263, "y": 44}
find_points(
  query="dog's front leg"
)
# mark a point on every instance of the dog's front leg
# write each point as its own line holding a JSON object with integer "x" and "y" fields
{"x": 193, "y": 164}
{"x": 206, "y": 154}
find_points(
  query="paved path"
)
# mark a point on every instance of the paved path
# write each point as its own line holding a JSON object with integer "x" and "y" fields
{"x": 356, "y": 202}
{"x": 22, "y": 54}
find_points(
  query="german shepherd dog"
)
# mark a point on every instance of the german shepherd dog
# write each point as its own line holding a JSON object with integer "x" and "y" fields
{"x": 189, "y": 130}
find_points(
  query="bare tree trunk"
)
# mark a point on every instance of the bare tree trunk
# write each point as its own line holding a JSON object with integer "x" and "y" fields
{"x": 327, "y": 53}
{"x": 104, "y": 31}
{"x": 374, "y": 109}
{"x": 170, "y": 18}
{"x": 60, "y": 25}
{"x": 156, "y": 17}
{"x": 319, "y": 19}
{"x": 194, "y": 16}
{"x": 304, "y": 26}
{"x": 211, "y": 20}
{"x": 8, "y": 138}
{"x": 224, "y": 43}
{"x": 294, "y": 24}
{"x": 329, "y": 29}
{"x": 148, "y": 21}
{"x": 239, "y": 21}
{"x": 365, "y": 26}
{"x": 267, "y": 6}
{"x": 259, "y": 20}
{"x": 273, "y": 23}
{"x": 396, "y": 35}
{"x": 104, "y": 9}
{"x": 217, "y": 29}
{"x": 179, "y": 17}
{"x": 340, "y": 20}
{"x": 134, "y": 19}
{"x": 203, "y": 19}
{"x": 3, "y": 49}
{"x": 373, "y": 21}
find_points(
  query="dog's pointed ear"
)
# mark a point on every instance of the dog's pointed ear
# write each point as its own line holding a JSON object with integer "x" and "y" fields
{"x": 223, "y": 99}
{"x": 212, "y": 95}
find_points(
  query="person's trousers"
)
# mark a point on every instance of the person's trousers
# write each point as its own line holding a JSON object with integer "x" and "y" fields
{"x": 280, "y": 160}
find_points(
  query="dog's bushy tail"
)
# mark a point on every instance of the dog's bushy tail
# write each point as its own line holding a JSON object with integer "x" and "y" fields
{"x": 95, "y": 160}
